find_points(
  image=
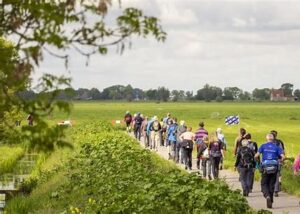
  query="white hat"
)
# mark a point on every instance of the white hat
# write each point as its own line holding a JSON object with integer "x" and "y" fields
{"x": 155, "y": 118}
{"x": 182, "y": 122}
{"x": 219, "y": 130}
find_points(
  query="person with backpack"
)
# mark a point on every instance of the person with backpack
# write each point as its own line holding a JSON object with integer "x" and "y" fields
{"x": 216, "y": 153}
{"x": 279, "y": 143}
{"x": 187, "y": 140}
{"x": 165, "y": 125}
{"x": 180, "y": 130}
{"x": 128, "y": 120}
{"x": 172, "y": 139}
{"x": 138, "y": 120}
{"x": 253, "y": 146}
{"x": 271, "y": 153}
{"x": 200, "y": 133}
{"x": 221, "y": 138}
{"x": 245, "y": 162}
{"x": 238, "y": 140}
{"x": 144, "y": 132}
{"x": 148, "y": 132}
{"x": 155, "y": 129}
{"x": 203, "y": 154}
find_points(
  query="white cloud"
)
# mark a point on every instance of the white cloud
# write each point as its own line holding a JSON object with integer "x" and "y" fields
{"x": 244, "y": 43}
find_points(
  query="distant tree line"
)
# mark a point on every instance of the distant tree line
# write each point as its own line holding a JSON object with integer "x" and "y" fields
{"x": 206, "y": 93}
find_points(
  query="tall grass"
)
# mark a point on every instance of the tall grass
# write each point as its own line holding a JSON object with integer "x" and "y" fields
{"x": 9, "y": 157}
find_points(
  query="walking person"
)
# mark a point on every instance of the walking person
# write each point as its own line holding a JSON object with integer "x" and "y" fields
{"x": 253, "y": 146}
{"x": 279, "y": 143}
{"x": 238, "y": 140}
{"x": 180, "y": 130}
{"x": 148, "y": 131}
{"x": 165, "y": 126}
{"x": 138, "y": 120}
{"x": 245, "y": 162}
{"x": 187, "y": 138}
{"x": 221, "y": 138}
{"x": 269, "y": 167}
{"x": 203, "y": 154}
{"x": 172, "y": 139}
{"x": 155, "y": 128}
{"x": 128, "y": 120}
{"x": 216, "y": 153}
{"x": 144, "y": 132}
{"x": 200, "y": 133}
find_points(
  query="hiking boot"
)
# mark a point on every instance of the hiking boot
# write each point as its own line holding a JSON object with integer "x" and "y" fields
{"x": 186, "y": 167}
{"x": 209, "y": 177}
{"x": 276, "y": 194}
{"x": 221, "y": 167}
{"x": 269, "y": 202}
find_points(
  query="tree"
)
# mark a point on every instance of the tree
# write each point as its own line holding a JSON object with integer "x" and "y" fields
{"x": 209, "y": 93}
{"x": 232, "y": 93}
{"x": 287, "y": 89}
{"x": 261, "y": 94}
{"x": 245, "y": 96}
{"x": 56, "y": 27}
{"x": 152, "y": 94}
{"x": 297, "y": 94}
{"x": 163, "y": 94}
{"x": 189, "y": 95}
{"x": 177, "y": 95}
{"x": 95, "y": 94}
{"x": 128, "y": 93}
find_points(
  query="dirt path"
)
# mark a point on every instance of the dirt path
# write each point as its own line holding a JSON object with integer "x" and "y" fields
{"x": 285, "y": 203}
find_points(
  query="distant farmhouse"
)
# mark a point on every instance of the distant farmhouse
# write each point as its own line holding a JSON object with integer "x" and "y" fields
{"x": 278, "y": 95}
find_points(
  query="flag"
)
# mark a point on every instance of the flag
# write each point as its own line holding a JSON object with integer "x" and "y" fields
{"x": 232, "y": 120}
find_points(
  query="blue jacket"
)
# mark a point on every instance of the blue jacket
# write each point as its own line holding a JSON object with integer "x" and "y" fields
{"x": 148, "y": 126}
{"x": 270, "y": 152}
{"x": 172, "y": 132}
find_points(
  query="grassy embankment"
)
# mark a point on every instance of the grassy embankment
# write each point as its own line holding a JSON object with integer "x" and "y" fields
{"x": 111, "y": 173}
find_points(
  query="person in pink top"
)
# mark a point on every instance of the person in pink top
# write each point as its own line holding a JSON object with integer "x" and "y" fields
{"x": 187, "y": 143}
{"x": 296, "y": 166}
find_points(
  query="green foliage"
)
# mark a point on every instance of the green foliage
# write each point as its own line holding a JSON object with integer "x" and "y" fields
{"x": 290, "y": 182}
{"x": 10, "y": 156}
{"x": 121, "y": 177}
{"x": 43, "y": 26}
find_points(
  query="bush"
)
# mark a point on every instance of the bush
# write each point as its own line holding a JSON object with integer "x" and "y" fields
{"x": 121, "y": 177}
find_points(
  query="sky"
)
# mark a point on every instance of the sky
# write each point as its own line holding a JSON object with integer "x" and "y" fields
{"x": 248, "y": 44}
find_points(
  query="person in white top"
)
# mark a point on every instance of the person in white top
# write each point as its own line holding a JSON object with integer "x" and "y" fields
{"x": 221, "y": 138}
{"x": 187, "y": 139}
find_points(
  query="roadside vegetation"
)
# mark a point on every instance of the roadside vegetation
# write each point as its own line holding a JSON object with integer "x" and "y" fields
{"x": 9, "y": 157}
{"x": 111, "y": 173}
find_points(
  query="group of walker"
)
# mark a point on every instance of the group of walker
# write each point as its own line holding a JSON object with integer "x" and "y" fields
{"x": 180, "y": 140}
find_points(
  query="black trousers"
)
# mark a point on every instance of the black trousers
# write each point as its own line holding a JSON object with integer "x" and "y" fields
{"x": 215, "y": 162}
{"x": 137, "y": 132}
{"x": 187, "y": 157}
{"x": 268, "y": 184}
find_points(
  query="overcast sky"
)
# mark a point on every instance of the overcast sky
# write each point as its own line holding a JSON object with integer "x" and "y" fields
{"x": 249, "y": 44}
